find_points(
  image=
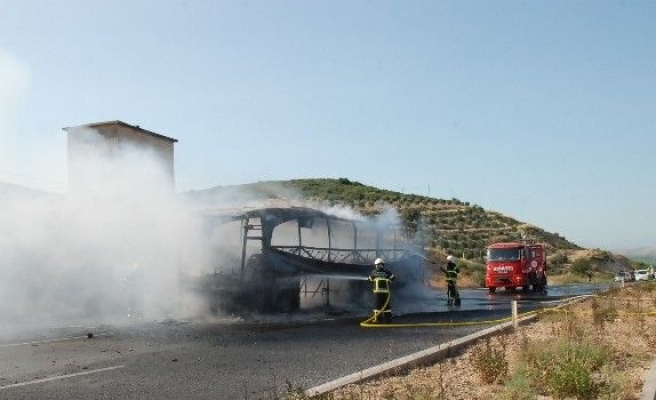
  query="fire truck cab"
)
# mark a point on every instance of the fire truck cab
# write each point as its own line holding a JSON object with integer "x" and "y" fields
{"x": 515, "y": 265}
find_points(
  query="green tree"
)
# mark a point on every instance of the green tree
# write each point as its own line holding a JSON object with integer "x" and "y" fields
{"x": 411, "y": 217}
{"x": 581, "y": 266}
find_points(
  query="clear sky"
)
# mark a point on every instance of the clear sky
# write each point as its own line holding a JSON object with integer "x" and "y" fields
{"x": 542, "y": 110}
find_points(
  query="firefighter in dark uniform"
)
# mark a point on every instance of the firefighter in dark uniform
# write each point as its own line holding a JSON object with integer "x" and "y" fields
{"x": 451, "y": 271}
{"x": 381, "y": 278}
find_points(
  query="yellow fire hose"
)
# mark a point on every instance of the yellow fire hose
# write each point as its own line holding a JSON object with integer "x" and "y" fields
{"x": 368, "y": 324}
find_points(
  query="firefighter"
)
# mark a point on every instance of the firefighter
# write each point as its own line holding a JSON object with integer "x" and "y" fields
{"x": 451, "y": 271}
{"x": 381, "y": 278}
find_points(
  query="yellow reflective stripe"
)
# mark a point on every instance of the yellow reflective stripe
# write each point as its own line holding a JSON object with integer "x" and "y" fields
{"x": 381, "y": 285}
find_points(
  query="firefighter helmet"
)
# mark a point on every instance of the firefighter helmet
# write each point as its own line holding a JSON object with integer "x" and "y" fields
{"x": 451, "y": 259}
{"x": 379, "y": 261}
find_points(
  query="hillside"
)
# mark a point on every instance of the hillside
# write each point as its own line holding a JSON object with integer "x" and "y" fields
{"x": 644, "y": 254}
{"x": 452, "y": 225}
{"x": 441, "y": 226}
{"x": 444, "y": 226}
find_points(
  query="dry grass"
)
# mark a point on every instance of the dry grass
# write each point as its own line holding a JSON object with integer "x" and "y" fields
{"x": 617, "y": 331}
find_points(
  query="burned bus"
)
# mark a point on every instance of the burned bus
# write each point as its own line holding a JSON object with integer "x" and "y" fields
{"x": 262, "y": 260}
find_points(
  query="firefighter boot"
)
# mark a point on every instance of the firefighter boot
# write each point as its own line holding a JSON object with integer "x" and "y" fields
{"x": 387, "y": 317}
{"x": 376, "y": 317}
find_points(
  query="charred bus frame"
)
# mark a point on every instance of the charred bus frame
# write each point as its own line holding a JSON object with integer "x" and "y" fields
{"x": 292, "y": 244}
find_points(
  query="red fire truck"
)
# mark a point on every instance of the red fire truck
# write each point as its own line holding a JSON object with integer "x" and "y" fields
{"x": 516, "y": 265}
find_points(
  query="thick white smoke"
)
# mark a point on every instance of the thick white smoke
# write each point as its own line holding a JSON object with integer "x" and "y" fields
{"x": 75, "y": 256}
{"x": 80, "y": 256}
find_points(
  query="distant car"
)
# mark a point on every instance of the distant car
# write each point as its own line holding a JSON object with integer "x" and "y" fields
{"x": 624, "y": 276}
{"x": 641, "y": 275}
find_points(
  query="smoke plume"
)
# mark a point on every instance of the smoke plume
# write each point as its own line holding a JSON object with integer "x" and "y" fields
{"x": 76, "y": 256}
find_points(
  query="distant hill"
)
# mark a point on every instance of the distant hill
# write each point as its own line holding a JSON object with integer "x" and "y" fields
{"x": 452, "y": 225}
{"x": 444, "y": 226}
{"x": 646, "y": 255}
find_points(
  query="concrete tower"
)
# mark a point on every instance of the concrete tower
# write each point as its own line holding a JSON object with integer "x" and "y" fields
{"x": 100, "y": 152}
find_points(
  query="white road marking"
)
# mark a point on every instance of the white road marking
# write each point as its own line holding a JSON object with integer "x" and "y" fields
{"x": 49, "y": 341}
{"x": 56, "y": 378}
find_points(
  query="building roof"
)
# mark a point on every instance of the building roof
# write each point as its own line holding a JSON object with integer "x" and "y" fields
{"x": 123, "y": 124}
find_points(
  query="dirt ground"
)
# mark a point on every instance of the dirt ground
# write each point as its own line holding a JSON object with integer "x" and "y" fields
{"x": 626, "y": 325}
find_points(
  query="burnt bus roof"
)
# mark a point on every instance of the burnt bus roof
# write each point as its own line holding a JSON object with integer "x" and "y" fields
{"x": 273, "y": 216}
{"x": 277, "y": 215}
{"x": 288, "y": 213}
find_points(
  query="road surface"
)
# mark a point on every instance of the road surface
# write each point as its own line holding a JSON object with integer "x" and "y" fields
{"x": 232, "y": 358}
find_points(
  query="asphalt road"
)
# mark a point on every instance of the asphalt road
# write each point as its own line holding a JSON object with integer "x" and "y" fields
{"x": 231, "y": 359}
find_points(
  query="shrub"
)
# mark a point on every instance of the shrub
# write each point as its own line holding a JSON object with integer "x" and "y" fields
{"x": 571, "y": 379}
{"x": 581, "y": 266}
{"x": 564, "y": 367}
{"x": 519, "y": 387}
{"x": 490, "y": 361}
{"x": 602, "y": 313}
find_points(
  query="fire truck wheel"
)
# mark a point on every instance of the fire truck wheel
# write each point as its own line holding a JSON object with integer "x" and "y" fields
{"x": 492, "y": 289}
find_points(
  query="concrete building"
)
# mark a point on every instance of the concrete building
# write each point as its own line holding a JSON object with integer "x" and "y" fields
{"x": 96, "y": 151}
